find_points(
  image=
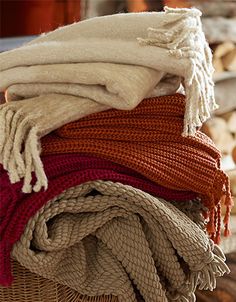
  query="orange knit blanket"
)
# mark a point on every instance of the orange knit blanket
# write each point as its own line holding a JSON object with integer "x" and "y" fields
{"x": 148, "y": 139}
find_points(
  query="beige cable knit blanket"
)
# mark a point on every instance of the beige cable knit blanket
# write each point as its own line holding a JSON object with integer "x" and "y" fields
{"x": 101, "y": 238}
{"x": 106, "y": 62}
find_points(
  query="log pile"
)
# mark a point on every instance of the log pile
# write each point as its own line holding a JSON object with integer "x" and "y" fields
{"x": 222, "y": 130}
{"x": 224, "y": 57}
{"x": 215, "y": 8}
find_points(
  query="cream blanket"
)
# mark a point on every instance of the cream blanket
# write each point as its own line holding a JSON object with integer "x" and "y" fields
{"x": 101, "y": 238}
{"x": 106, "y": 62}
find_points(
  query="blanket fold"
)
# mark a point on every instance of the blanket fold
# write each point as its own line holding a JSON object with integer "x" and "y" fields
{"x": 148, "y": 139}
{"x": 102, "y": 237}
{"x": 111, "y": 62}
{"x": 63, "y": 171}
{"x": 115, "y": 85}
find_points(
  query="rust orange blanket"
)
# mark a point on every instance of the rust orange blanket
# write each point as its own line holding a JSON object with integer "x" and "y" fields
{"x": 148, "y": 139}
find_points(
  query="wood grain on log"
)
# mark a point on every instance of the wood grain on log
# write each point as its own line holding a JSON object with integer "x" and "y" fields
{"x": 229, "y": 60}
{"x": 217, "y": 129}
{"x": 234, "y": 154}
{"x": 222, "y": 49}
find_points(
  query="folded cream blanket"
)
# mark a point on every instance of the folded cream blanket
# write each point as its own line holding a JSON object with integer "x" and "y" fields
{"x": 116, "y": 85}
{"x": 106, "y": 62}
{"x": 101, "y": 238}
{"x": 171, "y": 42}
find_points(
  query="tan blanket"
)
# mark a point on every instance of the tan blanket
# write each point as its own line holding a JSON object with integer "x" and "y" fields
{"x": 101, "y": 238}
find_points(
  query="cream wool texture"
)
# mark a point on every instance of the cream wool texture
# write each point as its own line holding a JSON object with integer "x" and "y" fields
{"x": 101, "y": 63}
{"x": 97, "y": 243}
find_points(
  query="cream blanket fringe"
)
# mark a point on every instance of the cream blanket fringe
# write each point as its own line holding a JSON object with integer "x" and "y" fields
{"x": 106, "y": 62}
{"x": 97, "y": 237}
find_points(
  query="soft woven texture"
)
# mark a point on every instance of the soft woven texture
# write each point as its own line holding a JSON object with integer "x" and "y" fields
{"x": 148, "y": 139}
{"x": 116, "y": 85}
{"x": 171, "y": 42}
{"x": 63, "y": 171}
{"x": 113, "y": 61}
{"x": 100, "y": 238}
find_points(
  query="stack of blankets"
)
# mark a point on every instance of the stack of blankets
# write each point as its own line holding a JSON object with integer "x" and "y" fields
{"x": 107, "y": 184}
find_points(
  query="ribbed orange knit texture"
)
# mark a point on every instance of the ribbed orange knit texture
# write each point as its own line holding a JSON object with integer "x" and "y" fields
{"x": 148, "y": 139}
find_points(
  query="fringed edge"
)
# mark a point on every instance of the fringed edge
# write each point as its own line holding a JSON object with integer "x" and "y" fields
{"x": 20, "y": 148}
{"x": 220, "y": 195}
{"x": 203, "y": 276}
{"x": 214, "y": 223}
{"x": 186, "y": 40}
{"x": 229, "y": 203}
{"x": 183, "y": 294}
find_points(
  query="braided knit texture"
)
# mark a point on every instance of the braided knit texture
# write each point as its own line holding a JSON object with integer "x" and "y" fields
{"x": 148, "y": 139}
{"x": 101, "y": 238}
{"x": 63, "y": 171}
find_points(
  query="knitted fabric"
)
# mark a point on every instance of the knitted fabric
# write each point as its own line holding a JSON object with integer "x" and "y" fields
{"x": 101, "y": 237}
{"x": 97, "y": 75}
{"x": 63, "y": 171}
{"x": 148, "y": 139}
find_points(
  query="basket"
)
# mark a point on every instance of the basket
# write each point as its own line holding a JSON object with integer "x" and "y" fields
{"x": 29, "y": 287}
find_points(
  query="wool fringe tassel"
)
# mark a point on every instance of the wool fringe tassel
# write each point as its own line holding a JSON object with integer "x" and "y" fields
{"x": 186, "y": 40}
{"x": 214, "y": 215}
{"x": 204, "y": 275}
{"x": 20, "y": 148}
{"x": 183, "y": 295}
{"x": 229, "y": 203}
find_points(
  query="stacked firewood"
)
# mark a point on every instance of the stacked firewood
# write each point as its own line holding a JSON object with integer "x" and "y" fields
{"x": 222, "y": 130}
{"x": 224, "y": 57}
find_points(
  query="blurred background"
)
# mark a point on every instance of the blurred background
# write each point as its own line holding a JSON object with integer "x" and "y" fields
{"x": 32, "y": 17}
